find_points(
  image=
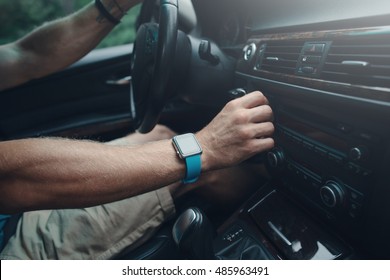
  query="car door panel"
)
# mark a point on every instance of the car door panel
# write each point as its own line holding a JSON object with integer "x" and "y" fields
{"x": 79, "y": 98}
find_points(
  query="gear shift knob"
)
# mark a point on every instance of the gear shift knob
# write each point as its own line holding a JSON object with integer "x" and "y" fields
{"x": 193, "y": 234}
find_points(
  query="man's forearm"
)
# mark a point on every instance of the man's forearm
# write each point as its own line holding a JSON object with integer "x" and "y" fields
{"x": 54, "y": 173}
{"x": 58, "y": 44}
{"x": 58, "y": 173}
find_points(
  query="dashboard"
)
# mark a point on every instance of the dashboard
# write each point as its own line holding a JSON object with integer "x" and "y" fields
{"x": 266, "y": 15}
{"x": 325, "y": 68}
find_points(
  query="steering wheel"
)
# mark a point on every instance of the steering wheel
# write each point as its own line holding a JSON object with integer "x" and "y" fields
{"x": 152, "y": 66}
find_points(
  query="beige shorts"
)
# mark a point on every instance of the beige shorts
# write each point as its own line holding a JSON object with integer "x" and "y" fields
{"x": 100, "y": 232}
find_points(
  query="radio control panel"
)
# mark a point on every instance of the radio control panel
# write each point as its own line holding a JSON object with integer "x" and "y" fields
{"x": 327, "y": 170}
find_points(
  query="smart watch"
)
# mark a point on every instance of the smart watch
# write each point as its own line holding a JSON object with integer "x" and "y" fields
{"x": 189, "y": 149}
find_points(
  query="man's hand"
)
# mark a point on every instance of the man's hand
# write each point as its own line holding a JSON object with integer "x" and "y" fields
{"x": 242, "y": 129}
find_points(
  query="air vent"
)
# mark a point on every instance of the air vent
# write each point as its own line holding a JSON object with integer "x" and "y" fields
{"x": 359, "y": 62}
{"x": 279, "y": 56}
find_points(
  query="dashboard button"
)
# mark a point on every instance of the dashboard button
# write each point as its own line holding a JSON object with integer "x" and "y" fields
{"x": 344, "y": 128}
{"x": 249, "y": 51}
{"x": 358, "y": 153}
{"x": 356, "y": 197}
{"x": 308, "y": 145}
{"x": 353, "y": 168}
{"x": 314, "y": 48}
{"x": 308, "y": 70}
{"x": 354, "y": 210}
{"x": 321, "y": 151}
{"x": 332, "y": 194}
{"x": 236, "y": 93}
{"x": 297, "y": 140}
{"x": 335, "y": 158}
{"x": 368, "y": 137}
{"x": 276, "y": 158}
{"x": 366, "y": 172}
{"x": 315, "y": 184}
{"x": 311, "y": 59}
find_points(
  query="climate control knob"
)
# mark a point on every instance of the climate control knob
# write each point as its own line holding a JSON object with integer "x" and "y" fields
{"x": 332, "y": 194}
{"x": 275, "y": 158}
{"x": 358, "y": 153}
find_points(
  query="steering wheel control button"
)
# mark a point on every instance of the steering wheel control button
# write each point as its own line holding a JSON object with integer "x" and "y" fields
{"x": 150, "y": 41}
{"x": 152, "y": 72}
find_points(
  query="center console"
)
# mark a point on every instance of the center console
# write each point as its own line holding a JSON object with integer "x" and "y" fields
{"x": 331, "y": 117}
{"x": 323, "y": 172}
{"x": 279, "y": 229}
{"x": 326, "y": 161}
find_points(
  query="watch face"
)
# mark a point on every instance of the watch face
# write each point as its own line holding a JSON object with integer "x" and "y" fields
{"x": 187, "y": 145}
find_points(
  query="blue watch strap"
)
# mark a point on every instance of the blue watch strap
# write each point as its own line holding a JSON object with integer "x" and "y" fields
{"x": 193, "y": 168}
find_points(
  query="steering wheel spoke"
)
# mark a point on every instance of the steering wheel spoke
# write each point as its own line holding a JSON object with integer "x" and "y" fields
{"x": 153, "y": 66}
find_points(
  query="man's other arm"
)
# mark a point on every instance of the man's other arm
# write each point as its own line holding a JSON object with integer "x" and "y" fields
{"x": 57, "y": 44}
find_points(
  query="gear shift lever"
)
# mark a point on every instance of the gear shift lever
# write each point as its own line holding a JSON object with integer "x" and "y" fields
{"x": 193, "y": 233}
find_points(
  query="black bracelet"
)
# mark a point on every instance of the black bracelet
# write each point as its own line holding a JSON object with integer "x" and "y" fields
{"x": 106, "y": 13}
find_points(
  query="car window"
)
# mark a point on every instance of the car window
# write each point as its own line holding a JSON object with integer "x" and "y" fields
{"x": 18, "y": 17}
